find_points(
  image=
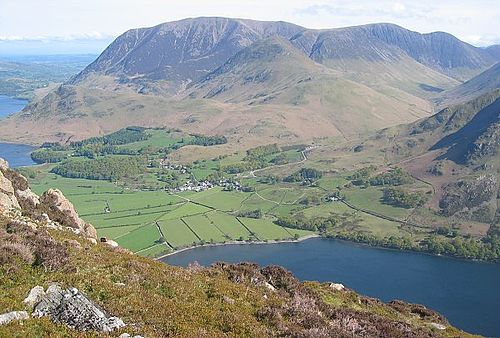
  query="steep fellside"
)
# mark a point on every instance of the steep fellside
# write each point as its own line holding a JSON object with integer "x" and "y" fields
{"x": 181, "y": 51}
{"x": 494, "y": 51}
{"x": 226, "y": 76}
{"x": 56, "y": 282}
{"x": 439, "y": 51}
{"x": 186, "y": 50}
{"x": 273, "y": 73}
{"x": 457, "y": 152}
{"x": 382, "y": 55}
{"x": 481, "y": 84}
{"x": 268, "y": 91}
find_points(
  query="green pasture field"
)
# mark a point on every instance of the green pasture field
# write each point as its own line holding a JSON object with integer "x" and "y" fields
{"x": 115, "y": 232}
{"x": 285, "y": 209}
{"x": 156, "y": 250}
{"x": 70, "y": 186}
{"x": 326, "y": 210}
{"x": 371, "y": 199}
{"x": 366, "y": 222}
{"x": 130, "y": 201}
{"x": 133, "y": 218}
{"x": 293, "y": 195}
{"x": 275, "y": 194}
{"x": 202, "y": 174}
{"x": 184, "y": 210}
{"x": 331, "y": 183}
{"x": 221, "y": 200}
{"x": 228, "y": 224}
{"x": 255, "y": 202}
{"x": 160, "y": 138}
{"x": 202, "y": 226}
{"x": 140, "y": 238}
{"x": 379, "y": 227}
{"x": 265, "y": 229}
{"x": 177, "y": 233}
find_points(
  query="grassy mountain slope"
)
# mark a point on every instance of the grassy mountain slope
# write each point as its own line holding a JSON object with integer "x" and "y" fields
{"x": 267, "y": 87}
{"x": 272, "y": 72}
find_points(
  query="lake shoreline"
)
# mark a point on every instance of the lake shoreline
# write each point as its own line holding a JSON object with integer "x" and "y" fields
{"x": 208, "y": 245}
{"x": 18, "y": 155}
{"x": 416, "y": 277}
{"x": 301, "y": 239}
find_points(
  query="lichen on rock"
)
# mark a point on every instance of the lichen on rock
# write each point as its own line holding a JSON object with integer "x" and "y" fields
{"x": 71, "y": 307}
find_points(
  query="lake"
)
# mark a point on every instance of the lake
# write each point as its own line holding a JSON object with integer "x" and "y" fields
{"x": 10, "y": 105}
{"x": 467, "y": 293}
{"x": 17, "y": 154}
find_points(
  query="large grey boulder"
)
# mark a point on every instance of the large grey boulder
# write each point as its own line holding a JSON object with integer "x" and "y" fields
{"x": 72, "y": 308}
{"x": 6, "y": 318}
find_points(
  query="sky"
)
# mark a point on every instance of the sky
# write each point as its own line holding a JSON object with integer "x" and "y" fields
{"x": 88, "y": 26}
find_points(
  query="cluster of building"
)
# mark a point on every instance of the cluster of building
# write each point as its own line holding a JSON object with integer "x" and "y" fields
{"x": 194, "y": 186}
{"x": 166, "y": 164}
{"x": 230, "y": 185}
{"x": 199, "y": 186}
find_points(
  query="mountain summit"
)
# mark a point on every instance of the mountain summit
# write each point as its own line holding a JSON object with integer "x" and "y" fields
{"x": 258, "y": 81}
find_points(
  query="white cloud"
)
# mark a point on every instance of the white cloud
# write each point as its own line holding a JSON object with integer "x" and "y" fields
{"x": 11, "y": 38}
{"x": 398, "y": 7}
{"x": 68, "y": 37}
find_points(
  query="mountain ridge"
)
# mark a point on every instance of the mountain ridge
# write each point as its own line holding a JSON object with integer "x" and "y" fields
{"x": 209, "y": 36}
{"x": 362, "y": 78}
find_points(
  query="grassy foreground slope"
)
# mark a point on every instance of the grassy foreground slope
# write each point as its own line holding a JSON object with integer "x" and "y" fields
{"x": 157, "y": 300}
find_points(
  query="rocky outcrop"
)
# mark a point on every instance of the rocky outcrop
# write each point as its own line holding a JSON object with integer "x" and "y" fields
{"x": 6, "y": 318}
{"x": 16, "y": 187}
{"x": 487, "y": 145}
{"x": 15, "y": 193}
{"x": 71, "y": 307}
{"x": 471, "y": 198}
{"x": 7, "y": 194}
{"x": 58, "y": 208}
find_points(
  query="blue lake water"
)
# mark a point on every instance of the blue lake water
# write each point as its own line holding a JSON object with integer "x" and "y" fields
{"x": 467, "y": 293}
{"x": 9, "y": 105}
{"x": 17, "y": 154}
